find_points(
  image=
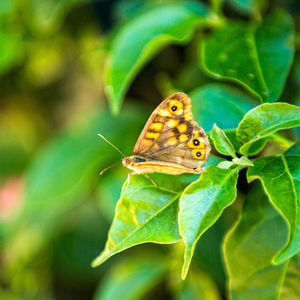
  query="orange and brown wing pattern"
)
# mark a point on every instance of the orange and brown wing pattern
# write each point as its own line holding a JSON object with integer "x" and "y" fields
{"x": 191, "y": 155}
{"x": 170, "y": 125}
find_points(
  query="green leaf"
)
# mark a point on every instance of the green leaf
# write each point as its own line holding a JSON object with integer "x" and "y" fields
{"x": 230, "y": 103}
{"x": 249, "y": 248}
{"x": 202, "y": 203}
{"x": 143, "y": 37}
{"x": 242, "y": 161}
{"x": 280, "y": 176}
{"x": 131, "y": 279}
{"x": 259, "y": 58}
{"x": 221, "y": 142}
{"x": 145, "y": 213}
{"x": 264, "y": 120}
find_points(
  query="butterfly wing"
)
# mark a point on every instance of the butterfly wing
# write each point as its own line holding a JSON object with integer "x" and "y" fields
{"x": 191, "y": 154}
{"x": 170, "y": 125}
{"x": 171, "y": 135}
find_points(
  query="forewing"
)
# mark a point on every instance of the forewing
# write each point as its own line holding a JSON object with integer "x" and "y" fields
{"x": 170, "y": 126}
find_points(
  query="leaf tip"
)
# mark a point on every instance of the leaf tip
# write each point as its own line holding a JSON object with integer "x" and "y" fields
{"x": 186, "y": 264}
{"x": 99, "y": 260}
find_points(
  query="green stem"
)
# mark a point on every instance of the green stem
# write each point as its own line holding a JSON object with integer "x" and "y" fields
{"x": 216, "y": 7}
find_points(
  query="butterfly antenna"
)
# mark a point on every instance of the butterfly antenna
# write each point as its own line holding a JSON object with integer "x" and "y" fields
{"x": 109, "y": 167}
{"x": 111, "y": 144}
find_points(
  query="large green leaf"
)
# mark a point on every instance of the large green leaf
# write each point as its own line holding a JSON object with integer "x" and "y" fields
{"x": 257, "y": 57}
{"x": 264, "y": 120}
{"x": 144, "y": 36}
{"x": 132, "y": 279}
{"x": 231, "y": 103}
{"x": 249, "y": 248}
{"x": 145, "y": 213}
{"x": 202, "y": 203}
{"x": 280, "y": 176}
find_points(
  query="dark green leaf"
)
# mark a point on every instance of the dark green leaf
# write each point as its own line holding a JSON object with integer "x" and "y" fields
{"x": 231, "y": 103}
{"x": 197, "y": 286}
{"x": 264, "y": 120}
{"x": 280, "y": 176}
{"x": 249, "y": 248}
{"x": 257, "y": 57}
{"x": 221, "y": 142}
{"x": 202, "y": 203}
{"x": 143, "y": 37}
{"x": 295, "y": 149}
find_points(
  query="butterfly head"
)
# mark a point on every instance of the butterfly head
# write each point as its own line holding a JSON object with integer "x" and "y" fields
{"x": 131, "y": 161}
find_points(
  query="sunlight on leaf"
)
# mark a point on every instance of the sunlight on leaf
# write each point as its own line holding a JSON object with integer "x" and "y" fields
{"x": 145, "y": 213}
{"x": 264, "y": 120}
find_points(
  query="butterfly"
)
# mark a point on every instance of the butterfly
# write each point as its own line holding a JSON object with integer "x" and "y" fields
{"x": 171, "y": 141}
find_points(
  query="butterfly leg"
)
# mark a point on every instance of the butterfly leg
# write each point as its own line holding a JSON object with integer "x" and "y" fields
{"x": 128, "y": 178}
{"x": 150, "y": 179}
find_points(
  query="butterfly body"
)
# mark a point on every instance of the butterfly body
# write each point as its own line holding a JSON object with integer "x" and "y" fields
{"x": 141, "y": 165}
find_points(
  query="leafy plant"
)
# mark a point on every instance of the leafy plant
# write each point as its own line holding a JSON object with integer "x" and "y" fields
{"x": 230, "y": 232}
{"x": 258, "y": 56}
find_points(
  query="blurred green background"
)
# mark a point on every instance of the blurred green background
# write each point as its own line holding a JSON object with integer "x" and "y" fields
{"x": 55, "y": 209}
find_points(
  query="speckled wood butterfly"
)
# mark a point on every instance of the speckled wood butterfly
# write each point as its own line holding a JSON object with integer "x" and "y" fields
{"x": 171, "y": 141}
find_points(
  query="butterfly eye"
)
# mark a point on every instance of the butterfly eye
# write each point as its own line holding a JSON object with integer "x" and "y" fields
{"x": 138, "y": 159}
{"x": 196, "y": 142}
{"x": 174, "y": 108}
{"x": 198, "y": 154}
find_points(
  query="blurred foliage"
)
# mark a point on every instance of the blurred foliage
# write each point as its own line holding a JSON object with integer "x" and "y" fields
{"x": 70, "y": 69}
